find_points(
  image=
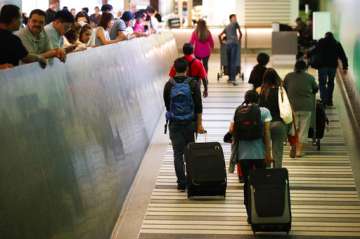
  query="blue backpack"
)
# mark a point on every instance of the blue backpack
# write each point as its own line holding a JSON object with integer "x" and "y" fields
{"x": 181, "y": 102}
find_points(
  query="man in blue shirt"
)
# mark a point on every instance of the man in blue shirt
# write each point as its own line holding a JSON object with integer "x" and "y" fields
{"x": 57, "y": 29}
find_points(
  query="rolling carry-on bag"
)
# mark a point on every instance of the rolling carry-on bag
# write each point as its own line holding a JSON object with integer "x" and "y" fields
{"x": 322, "y": 121}
{"x": 269, "y": 200}
{"x": 205, "y": 169}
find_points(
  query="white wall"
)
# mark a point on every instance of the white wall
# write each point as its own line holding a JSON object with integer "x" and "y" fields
{"x": 78, "y": 5}
{"x": 265, "y": 12}
{"x": 14, "y": 2}
{"x": 217, "y": 12}
{"x": 251, "y": 12}
{"x": 142, "y": 3}
{"x": 166, "y": 7}
{"x": 118, "y": 5}
{"x": 28, "y": 5}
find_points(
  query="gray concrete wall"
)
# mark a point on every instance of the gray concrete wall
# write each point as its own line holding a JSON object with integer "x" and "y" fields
{"x": 73, "y": 136}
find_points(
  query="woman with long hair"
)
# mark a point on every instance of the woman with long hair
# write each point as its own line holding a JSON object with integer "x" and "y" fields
{"x": 104, "y": 27}
{"x": 269, "y": 99}
{"x": 203, "y": 42}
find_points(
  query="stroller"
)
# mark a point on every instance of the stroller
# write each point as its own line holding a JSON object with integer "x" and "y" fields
{"x": 317, "y": 133}
{"x": 224, "y": 64}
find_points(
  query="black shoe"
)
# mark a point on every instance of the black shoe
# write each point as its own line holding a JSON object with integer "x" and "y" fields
{"x": 292, "y": 151}
{"x": 241, "y": 179}
{"x": 330, "y": 104}
{"x": 181, "y": 188}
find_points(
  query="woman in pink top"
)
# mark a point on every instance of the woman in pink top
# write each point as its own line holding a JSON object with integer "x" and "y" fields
{"x": 139, "y": 22}
{"x": 203, "y": 42}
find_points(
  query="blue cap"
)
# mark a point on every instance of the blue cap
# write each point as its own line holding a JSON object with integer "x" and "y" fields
{"x": 127, "y": 16}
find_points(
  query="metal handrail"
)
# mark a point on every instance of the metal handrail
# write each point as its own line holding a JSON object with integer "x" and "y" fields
{"x": 351, "y": 97}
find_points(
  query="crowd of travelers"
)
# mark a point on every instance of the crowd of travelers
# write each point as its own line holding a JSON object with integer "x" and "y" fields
{"x": 56, "y": 33}
{"x": 276, "y": 111}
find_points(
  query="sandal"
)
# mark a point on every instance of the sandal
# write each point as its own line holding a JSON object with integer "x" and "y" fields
{"x": 292, "y": 151}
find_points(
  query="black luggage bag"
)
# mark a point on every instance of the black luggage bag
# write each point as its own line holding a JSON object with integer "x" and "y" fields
{"x": 205, "y": 169}
{"x": 269, "y": 200}
{"x": 321, "y": 121}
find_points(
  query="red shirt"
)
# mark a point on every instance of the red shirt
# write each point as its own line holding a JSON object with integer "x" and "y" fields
{"x": 197, "y": 68}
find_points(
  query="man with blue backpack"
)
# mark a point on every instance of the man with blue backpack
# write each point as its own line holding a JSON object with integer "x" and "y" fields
{"x": 182, "y": 97}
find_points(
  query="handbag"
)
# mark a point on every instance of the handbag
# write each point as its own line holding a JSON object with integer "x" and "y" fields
{"x": 293, "y": 136}
{"x": 228, "y": 138}
{"x": 286, "y": 112}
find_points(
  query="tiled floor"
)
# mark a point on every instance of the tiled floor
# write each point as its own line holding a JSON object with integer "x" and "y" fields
{"x": 324, "y": 199}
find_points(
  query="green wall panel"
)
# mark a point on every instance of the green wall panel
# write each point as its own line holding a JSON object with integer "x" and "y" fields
{"x": 345, "y": 25}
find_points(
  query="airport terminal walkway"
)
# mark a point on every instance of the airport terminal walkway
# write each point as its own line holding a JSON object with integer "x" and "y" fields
{"x": 324, "y": 199}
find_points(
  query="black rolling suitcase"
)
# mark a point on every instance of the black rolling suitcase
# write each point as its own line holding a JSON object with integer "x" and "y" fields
{"x": 321, "y": 121}
{"x": 205, "y": 169}
{"x": 269, "y": 200}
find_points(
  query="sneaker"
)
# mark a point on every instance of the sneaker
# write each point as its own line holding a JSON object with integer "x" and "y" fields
{"x": 235, "y": 83}
{"x": 181, "y": 188}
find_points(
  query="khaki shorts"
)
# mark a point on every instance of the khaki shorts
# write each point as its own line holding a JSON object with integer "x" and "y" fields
{"x": 302, "y": 120}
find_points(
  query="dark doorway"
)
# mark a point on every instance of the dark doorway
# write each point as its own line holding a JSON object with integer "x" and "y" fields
{"x": 197, "y": 3}
{"x": 314, "y": 5}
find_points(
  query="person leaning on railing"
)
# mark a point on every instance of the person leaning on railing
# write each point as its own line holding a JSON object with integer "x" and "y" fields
{"x": 35, "y": 39}
{"x": 11, "y": 48}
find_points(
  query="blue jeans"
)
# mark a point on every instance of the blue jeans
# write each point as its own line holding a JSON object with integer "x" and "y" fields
{"x": 231, "y": 51}
{"x": 181, "y": 134}
{"x": 326, "y": 83}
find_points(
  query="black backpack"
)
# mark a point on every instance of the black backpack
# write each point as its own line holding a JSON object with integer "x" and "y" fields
{"x": 247, "y": 122}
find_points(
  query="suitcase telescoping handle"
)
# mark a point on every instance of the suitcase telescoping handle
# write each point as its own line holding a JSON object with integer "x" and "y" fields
{"x": 205, "y": 135}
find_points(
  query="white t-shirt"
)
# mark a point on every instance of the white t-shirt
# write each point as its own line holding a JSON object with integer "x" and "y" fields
{"x": 129, "y": 32}
{"x": 155, "y": 24}
{"x": 106, "y": 35}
